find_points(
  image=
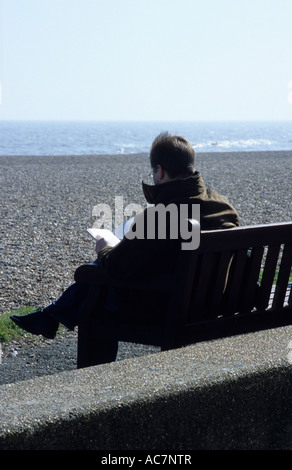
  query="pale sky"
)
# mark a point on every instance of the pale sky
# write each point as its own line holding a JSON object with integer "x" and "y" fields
{"x": 171, "y": 60}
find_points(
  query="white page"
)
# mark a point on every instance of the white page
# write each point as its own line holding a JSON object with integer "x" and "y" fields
{"x": 98, "y": 233}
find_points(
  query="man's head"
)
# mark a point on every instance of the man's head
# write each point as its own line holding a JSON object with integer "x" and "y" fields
{"x": 171, "y": 157}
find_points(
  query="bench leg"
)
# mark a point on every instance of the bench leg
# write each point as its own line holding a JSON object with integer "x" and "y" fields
{"x": 83, "y": 356}
{"x": 93, "y": 351}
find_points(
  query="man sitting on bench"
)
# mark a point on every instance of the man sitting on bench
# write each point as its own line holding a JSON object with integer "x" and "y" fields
{"x": 176, "y": 181}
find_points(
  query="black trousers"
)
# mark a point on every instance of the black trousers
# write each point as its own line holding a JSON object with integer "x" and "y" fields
{"x": 66, "y": 309}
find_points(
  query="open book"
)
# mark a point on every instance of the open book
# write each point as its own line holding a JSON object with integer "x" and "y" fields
{"x": 112, "y": 237}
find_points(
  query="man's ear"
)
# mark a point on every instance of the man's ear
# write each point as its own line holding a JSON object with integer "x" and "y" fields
{"x": 160, "y": 172}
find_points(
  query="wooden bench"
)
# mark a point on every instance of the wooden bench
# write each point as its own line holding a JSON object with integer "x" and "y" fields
{"x": 255, "y": 260}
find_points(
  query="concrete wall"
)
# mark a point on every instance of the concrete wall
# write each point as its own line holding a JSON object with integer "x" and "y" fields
{"x": 233, "y": 393}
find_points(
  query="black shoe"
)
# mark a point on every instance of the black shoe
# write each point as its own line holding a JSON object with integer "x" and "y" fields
{"x": 37, "y": 323}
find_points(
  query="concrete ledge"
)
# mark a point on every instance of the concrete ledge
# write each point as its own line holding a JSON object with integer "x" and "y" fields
{"x": 233, "y": 393}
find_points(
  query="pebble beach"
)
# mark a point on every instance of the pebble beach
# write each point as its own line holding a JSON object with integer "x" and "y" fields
{"x": 47, "y": 203}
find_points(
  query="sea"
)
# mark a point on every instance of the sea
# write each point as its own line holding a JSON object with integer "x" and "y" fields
{"x": 58, "y": 138}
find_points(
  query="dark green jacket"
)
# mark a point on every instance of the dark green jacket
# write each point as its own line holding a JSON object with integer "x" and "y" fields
{"x": 143, "y": 258}
{"x": 138, "y": 258}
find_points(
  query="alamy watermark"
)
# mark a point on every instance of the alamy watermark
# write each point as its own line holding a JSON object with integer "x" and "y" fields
{"x": 155, "y": 222}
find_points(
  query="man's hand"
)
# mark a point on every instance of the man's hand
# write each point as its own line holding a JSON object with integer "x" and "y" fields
{"x": 106, "y": 240}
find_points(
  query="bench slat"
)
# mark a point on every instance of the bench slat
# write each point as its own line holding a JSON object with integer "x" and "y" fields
{"x": 234, "y": 286}
{"x": 268, "y": 275}
{"x": 283, "y": 277}
{"x": 290, "y": 295}
{"x": 217, "y": 290}
{"x": 247, "y": 301}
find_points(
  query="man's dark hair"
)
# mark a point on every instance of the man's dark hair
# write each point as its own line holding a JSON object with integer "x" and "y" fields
{"x": 174, "y": 153}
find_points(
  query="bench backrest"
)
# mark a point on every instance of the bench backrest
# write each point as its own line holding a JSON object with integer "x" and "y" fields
{"x": 232, "y": 272}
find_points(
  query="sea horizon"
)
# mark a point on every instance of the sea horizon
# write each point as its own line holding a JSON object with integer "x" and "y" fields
{"x": 97, "y": 137}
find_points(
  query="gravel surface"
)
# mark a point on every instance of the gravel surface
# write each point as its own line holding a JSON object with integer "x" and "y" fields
{"x": 47, "y": 205}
